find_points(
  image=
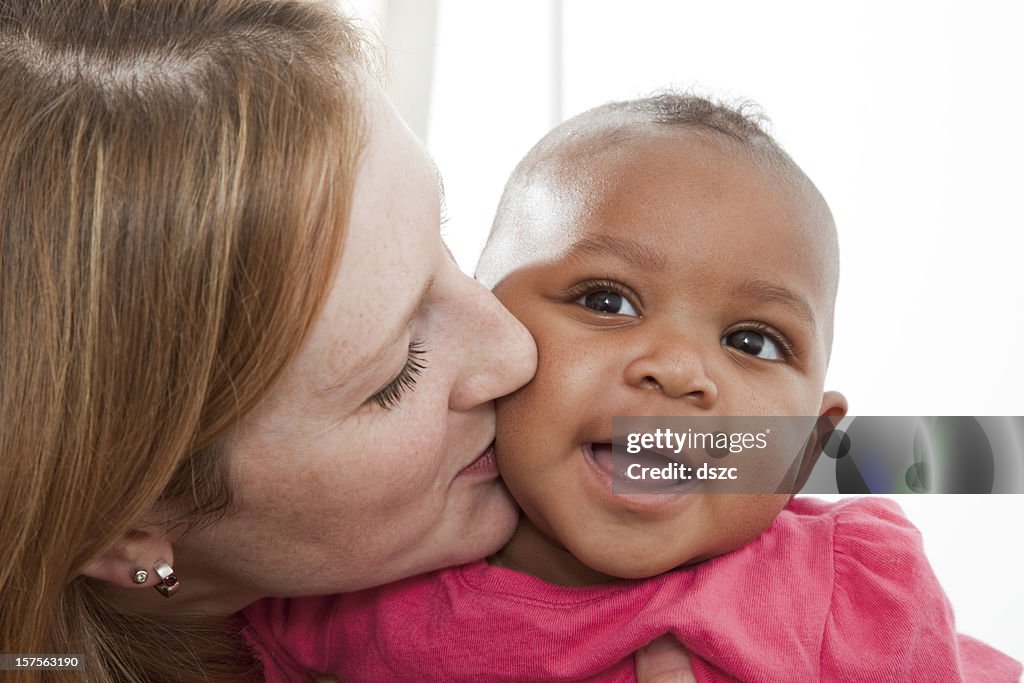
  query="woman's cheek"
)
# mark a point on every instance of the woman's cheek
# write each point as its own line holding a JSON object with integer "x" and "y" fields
{"x": 397, "y": 460}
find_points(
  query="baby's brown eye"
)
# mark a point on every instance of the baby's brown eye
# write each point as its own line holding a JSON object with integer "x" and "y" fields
{"x": 604, "y": 301}
{"x": 753, "y": 343}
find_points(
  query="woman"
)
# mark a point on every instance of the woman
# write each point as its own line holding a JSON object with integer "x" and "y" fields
{"x": 237, "y": 360}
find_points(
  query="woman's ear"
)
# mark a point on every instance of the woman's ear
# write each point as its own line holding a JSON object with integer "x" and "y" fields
{"x": 138, "y": 549}
{"x": 830, "y": 414}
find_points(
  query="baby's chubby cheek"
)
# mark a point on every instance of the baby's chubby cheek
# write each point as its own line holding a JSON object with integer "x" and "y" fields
{"x": 548, "y": 410}
{"x": 512, "y": 432}
{"x": 747, "y": 516}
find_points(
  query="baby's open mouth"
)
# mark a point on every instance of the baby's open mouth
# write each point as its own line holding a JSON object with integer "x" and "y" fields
{"x": 645, "y": 471}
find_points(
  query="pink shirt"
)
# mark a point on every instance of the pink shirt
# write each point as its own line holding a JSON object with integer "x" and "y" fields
{"x": 831, "y": 592}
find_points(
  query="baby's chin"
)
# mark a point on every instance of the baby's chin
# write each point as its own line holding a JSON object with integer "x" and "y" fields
{"x": 651, "y": 558}
{"x": 645, "y": 568}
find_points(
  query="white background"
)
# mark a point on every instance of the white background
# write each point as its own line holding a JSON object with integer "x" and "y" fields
{"x": 909, "y": 116}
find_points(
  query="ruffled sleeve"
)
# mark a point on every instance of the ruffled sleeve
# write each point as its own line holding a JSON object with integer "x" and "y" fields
{"x": 889, "y": 619}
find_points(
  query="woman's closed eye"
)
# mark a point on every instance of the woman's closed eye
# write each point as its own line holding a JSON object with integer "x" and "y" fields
{"x": 760, "y": 341}
{"x": 389, "y": 397}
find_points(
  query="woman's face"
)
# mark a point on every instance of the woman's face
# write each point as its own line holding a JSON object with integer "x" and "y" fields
{"x": 370, "y": 459}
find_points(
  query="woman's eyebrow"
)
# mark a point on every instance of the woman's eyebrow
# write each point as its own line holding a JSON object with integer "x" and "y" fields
{"x": 770, "y": 292}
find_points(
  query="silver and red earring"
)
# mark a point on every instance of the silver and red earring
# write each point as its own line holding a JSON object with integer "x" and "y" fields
{"x": 168, "y": 581}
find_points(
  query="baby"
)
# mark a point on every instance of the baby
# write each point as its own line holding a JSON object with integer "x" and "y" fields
{"x": 669, "y": 259}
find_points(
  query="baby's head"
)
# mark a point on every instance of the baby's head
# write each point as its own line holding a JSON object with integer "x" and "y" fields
{"x": 670, "y": 259}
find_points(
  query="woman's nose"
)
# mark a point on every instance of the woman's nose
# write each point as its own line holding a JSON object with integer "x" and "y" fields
{"x": 499, "y": 354}
{"x": 675, "y": 367}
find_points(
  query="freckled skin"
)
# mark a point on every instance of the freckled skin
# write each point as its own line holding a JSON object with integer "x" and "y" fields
{"x": 718, "y": 218}
{"x": 333, "y": 492}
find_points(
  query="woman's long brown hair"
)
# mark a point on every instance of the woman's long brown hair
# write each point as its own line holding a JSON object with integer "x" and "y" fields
{"x": 175, "y": 181}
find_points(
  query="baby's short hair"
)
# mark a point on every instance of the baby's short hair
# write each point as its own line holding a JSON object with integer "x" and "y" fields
{"x": 742, "y": 123}
{"x": 741, "y": 127}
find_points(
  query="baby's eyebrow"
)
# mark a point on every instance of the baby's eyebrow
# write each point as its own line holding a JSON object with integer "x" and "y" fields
{"x": 770, "y": 292}
{"x": 635, "y": 253}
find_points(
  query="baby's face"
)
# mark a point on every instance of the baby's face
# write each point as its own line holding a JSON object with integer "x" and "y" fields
{"x": 687, "y": 281}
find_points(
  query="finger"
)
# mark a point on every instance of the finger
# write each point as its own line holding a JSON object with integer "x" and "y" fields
{"x": 665, "y": 660}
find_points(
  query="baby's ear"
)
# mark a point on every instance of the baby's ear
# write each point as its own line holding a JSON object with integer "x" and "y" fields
{"x": 833, "y": 408}
{"x": 830, "y": 414}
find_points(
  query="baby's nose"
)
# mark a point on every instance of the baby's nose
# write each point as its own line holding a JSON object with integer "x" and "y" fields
{"x": 675, "y": 369}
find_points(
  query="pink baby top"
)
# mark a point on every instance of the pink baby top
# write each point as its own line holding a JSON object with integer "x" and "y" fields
{"x": 831, "y": 592}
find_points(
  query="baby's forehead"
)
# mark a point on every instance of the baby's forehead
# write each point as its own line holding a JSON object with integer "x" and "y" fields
{"x": 676, "y": 175}
{"x": 606, "y": 155}
{"x": 668, "y": 191}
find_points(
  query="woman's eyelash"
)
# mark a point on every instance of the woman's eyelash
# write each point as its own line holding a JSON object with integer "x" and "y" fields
{"x": 389, "y": 397}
